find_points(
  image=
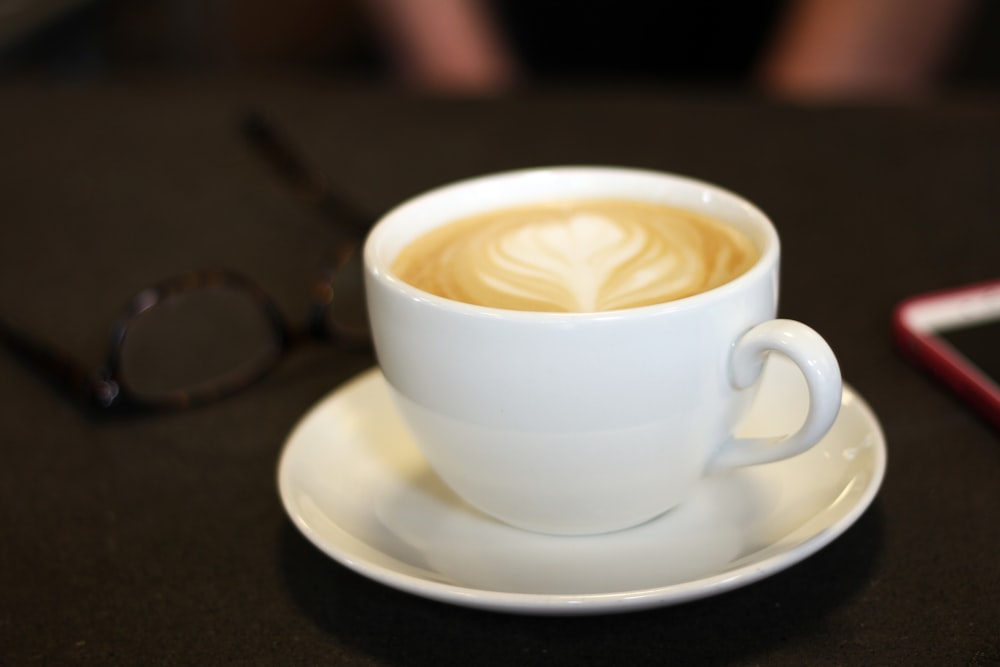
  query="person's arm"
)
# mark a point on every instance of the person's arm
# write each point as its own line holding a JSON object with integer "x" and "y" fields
{"x": 861, "y": 48}
{"x": 444, "y": 45}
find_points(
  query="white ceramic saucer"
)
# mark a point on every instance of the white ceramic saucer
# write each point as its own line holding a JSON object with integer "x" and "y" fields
{"x": 355, "y": 485}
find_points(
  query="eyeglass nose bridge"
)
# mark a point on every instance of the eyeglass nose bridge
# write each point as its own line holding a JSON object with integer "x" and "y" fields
{"x": 338, "y": 309}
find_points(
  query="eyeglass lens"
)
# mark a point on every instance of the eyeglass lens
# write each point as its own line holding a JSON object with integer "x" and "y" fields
{"x": 196, "y": 342}
{"x": 347, "y": 312}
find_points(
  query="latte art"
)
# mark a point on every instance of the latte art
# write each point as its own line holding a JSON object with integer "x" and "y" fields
{"x": 576, "y": 256}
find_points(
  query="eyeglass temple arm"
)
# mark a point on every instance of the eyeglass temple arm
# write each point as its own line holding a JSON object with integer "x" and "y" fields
{"x": 57, "y": 366}
{"x": 301, "y": 177}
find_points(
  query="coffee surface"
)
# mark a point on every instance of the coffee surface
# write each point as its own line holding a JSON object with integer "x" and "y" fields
{"x": 576, "y": 256}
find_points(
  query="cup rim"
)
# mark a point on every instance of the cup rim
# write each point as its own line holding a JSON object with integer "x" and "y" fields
{"x": 378, "y": 268}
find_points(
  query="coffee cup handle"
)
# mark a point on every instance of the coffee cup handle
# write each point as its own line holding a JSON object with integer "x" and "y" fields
{"x": 815, "y": 359}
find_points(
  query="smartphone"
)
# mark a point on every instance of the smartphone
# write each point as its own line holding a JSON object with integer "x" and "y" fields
{"x": 955, "y": 335}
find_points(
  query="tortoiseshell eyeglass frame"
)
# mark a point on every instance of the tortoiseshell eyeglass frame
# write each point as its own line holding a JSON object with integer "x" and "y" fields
{"x": 107, "y": 389}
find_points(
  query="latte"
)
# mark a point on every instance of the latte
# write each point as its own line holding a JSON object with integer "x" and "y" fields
{"x": 576, "y": 256}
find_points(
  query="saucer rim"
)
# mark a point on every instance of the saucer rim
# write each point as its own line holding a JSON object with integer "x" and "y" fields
{"x": 568, "y": 604}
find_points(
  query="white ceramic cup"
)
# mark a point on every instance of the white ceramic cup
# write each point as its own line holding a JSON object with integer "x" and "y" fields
{"x": 582, "y": 423}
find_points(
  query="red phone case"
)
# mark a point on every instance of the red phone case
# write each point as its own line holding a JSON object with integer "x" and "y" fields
{"x": 929, "y": 351}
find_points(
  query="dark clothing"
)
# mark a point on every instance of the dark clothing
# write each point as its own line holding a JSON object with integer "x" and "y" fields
{"x": 708, "y": 40}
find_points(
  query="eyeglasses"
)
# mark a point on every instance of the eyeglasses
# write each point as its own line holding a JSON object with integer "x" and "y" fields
{"x": 199, "y": 337}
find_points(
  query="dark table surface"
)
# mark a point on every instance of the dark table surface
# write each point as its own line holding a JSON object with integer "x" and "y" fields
{"x": 160, "y": 539}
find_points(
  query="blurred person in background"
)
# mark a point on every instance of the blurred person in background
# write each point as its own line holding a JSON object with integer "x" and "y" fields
{"x": 805, "y": 49}
{"x": 798, "y": 48}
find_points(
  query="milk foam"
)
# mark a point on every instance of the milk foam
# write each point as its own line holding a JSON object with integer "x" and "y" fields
{"x": 580, "y": 256}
